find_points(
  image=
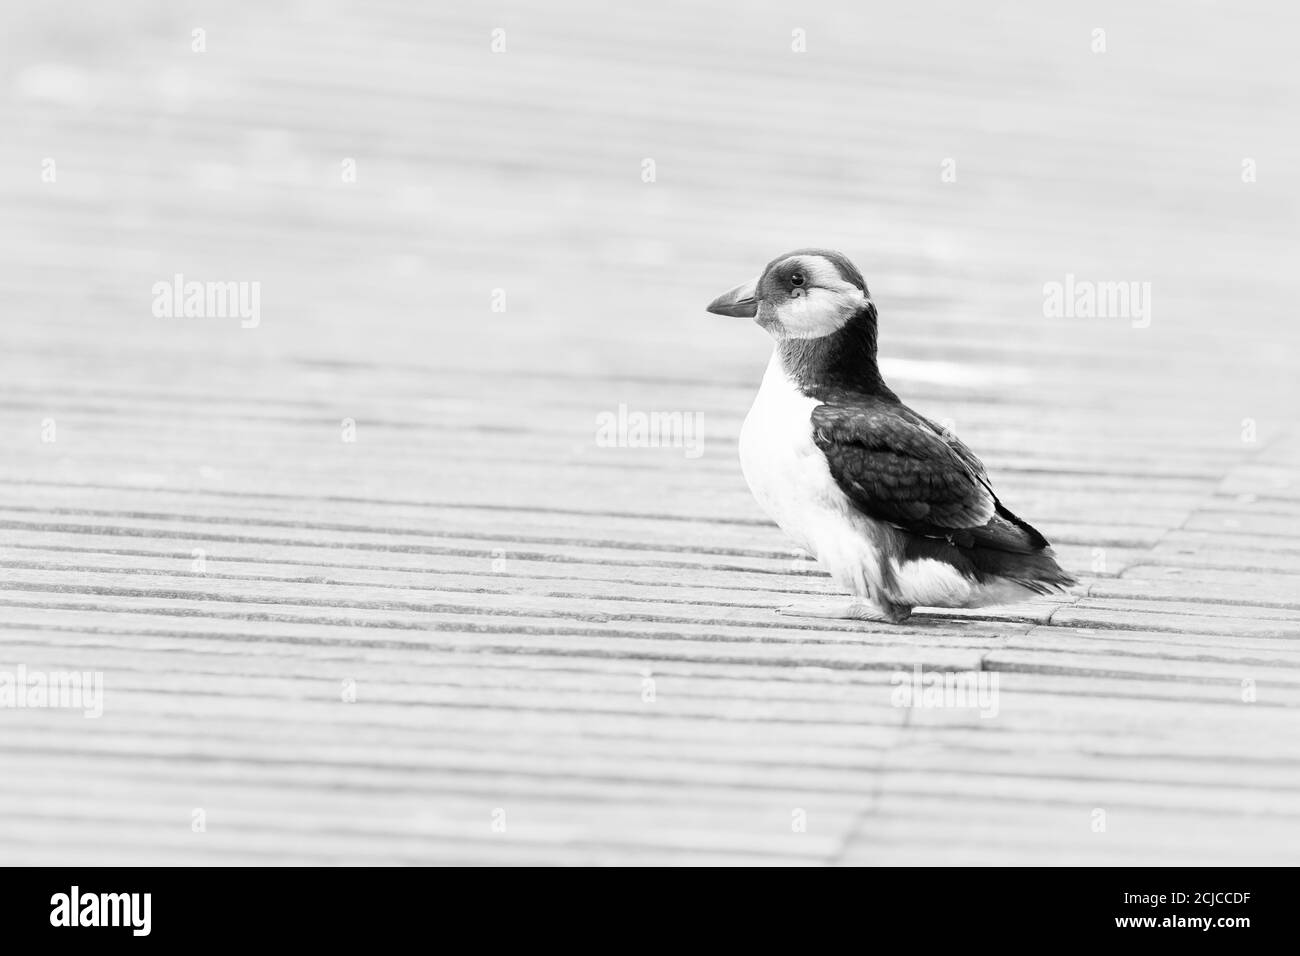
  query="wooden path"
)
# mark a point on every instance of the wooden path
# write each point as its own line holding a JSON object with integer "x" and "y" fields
{"x": 562, "y": 652}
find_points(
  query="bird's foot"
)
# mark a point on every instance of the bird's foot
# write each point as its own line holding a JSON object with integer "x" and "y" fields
{"x": 847, "y": 611}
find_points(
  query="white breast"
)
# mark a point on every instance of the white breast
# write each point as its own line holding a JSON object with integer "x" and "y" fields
{"x": 777, "y": 454}
{"x": 789, "y": 476}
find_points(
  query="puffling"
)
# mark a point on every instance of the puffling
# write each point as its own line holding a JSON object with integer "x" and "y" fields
{"x": 897, "y": 509}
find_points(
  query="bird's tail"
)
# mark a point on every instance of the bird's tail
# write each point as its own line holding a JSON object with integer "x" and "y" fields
{"x": 1011, "y": 548}
{"x": 1007, "y": 549}
{"x": 1037, "y": 571}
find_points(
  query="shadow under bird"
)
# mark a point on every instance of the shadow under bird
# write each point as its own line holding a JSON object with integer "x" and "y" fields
{"x": 896, "y": 508}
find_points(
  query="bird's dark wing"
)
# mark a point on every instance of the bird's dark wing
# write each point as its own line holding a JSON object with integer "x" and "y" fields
{"x": 899, "y": 467}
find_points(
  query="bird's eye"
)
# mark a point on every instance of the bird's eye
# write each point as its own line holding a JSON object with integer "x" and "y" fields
{"x": 796, "y": 278}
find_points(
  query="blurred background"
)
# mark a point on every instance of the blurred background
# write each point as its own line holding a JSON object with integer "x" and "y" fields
{"x": 524, "y": 171}
{"x": 478, "y": 227}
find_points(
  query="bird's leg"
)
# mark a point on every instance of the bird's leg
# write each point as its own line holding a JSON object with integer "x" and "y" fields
{"x": 850, "y": 610}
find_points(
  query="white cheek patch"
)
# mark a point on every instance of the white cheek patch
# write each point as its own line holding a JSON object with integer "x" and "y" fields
{"x": 824, "y": 304}
{"x": 819, "y": 311}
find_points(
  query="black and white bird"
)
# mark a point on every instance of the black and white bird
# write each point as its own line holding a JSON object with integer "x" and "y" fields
{"x": 898, "y": 510}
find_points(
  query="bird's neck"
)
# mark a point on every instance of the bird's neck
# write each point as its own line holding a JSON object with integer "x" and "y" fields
{"x": 845, "y": 360}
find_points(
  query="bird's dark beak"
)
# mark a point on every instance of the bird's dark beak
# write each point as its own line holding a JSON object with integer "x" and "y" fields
{"x": 740, "y": 301}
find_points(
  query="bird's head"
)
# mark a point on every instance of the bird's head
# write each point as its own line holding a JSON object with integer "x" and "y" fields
{"x": 805, "y": 294}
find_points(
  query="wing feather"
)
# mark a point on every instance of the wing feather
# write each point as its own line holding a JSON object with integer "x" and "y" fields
{"x": 899, "y": 467}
